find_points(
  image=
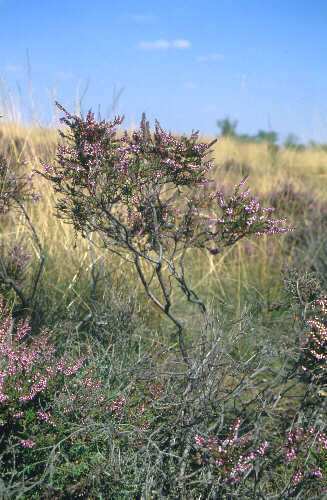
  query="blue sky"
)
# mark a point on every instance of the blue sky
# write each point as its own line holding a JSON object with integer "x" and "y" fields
{"x": 187, "y": 63}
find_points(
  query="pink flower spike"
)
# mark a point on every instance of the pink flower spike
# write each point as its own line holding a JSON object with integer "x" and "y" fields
{"x": 200, "y": 441}
{"x": 27, "y": 443}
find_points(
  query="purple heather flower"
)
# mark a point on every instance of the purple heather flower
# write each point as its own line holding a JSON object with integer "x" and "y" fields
{"x": 27, "y": 443}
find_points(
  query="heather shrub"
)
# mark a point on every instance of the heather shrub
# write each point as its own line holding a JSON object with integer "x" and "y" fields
{"x": 147, "y": 197}
{"x": 305, "y": 455}
{"x": 243, "y": 430}
{"x": 14, "y": 261}
{"x": 227, "y": 432}
{"x": 310, "y": 246}
{"x": 293, "y": 201}
{"x": 16, "y": 189}
{"x": 314, "y": 345}
{"x": 54, "y": 411}
{"x": 30, "y": 372}
{"x": 234, "y": 461}
{"x": 302, "y": 289}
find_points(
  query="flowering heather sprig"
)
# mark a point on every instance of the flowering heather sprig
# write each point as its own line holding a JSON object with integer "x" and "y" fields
{"x": 117, "y": 406}
{"x": 27, "y": 443}
{"x": 19, "y": 257}
{"x": 232, "y": 456}
{"x": 64, "y": 367}
{"x": 313, "y": 359}
{"x": 23, "y": 329}
{"x": 44, "y": 416}
{"x": 300, "y": 444}
{"x": 156, "y": 390}
{"x": 80, "y": 398}
{"x": 15, "y": 261}
{"x": 242, "y": 215}
{"x": 316, "y": 473}
{"x": 297, "y": 477}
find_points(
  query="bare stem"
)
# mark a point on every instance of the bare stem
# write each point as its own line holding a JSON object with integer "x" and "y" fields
{"x": 165, "y": 308}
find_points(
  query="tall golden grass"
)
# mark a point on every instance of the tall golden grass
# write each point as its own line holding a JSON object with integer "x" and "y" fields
{"x": 249, "y": 268}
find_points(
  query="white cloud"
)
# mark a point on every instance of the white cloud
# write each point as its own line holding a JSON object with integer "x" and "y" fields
{"x": 163, "y": 44}
{"x": 213, "y": 57}
{"x": 181, "y": 44}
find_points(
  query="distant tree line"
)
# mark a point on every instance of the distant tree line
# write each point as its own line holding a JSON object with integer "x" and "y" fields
{"x": 228, "y": 128}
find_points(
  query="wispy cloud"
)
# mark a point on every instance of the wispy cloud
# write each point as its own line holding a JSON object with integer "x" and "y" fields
{"x": 213, "y": 57}
{"x": 143, "y": 18}
{"x": 163, "y": 44}
{"x": 190, "y": 85}
{"x": 64, "y": 75}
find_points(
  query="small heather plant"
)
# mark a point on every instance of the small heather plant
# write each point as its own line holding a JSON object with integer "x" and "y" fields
{"x": 16, "y": 189}
{"x": 313, "y": 358}
{"x": 233, "y": 457}
{"x": 48, "y": 404}
{"x": 30, "y": 370}
{"x": 303, "y": 450}
{"x": 148, "y": 196}
{"x": 14, "y": 261}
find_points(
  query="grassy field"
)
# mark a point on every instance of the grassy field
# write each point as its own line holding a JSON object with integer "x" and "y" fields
{"x": 252, "y": 267}
{"x": 246, "y": 289}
